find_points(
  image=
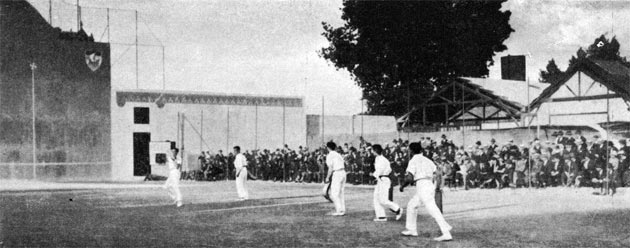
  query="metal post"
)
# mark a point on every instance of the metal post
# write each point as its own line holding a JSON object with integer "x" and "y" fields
{"x": 78, "y": 17}
{"x": 201, "y": 134}
{"x": 529, "y": 133}
{"x": 33, "y": 67}
{"x": 137, "y": 85}
{"x": 50, "y": 12}
{"x": 323, "y": 129}
{"x": 256, "y": 128}
{"x": 362, "y": 117}
{"x": 108, "y": 35}
{"x": 163, "y": 70}
{"x": 463, "y": 123}
{"x": 607, "y": 142}
{"x": 181, "y": 150}
{"x": 227, "y": 142}
{"x": 284, "y": 142}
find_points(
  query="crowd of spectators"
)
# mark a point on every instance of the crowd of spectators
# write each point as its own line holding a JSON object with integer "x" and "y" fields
{"x": 568, "y": 160}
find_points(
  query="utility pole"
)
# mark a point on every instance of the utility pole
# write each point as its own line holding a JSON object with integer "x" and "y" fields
{"x": 33, "y": 67}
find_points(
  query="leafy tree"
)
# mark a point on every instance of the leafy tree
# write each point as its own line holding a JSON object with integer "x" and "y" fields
{"x": 601, "y": 48}
{"x": 399, "y": 51}
{"x": 552, "y": 74}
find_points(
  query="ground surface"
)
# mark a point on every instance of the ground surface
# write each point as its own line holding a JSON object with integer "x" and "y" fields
{"x": 294, "y": 215}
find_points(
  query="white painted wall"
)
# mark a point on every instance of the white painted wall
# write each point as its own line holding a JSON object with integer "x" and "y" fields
{"x": 548, "y": 112}
{"x": 241, "y": 131}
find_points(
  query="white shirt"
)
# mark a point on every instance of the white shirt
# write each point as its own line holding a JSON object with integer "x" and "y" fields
{"x": 240, "y": 161}
{"x": 421, "y": 167}
{"x": 334, "y": 161}
{"x": 381, "y": 166}
{"x": 172, "y": 162}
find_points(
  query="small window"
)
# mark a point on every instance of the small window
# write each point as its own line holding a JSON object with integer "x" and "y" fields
{"x": 141, "y": 115}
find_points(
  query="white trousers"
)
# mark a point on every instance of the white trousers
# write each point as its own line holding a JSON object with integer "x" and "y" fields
{"x": 381, "y": 200}
{"x": 425, "y": 193}
{"x": 240, "y": 184}
{"x": 172, "y": 185}
{"x": 338, "y": 182}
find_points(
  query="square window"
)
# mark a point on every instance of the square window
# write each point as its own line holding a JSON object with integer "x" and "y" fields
{"x": 141, "y": 115}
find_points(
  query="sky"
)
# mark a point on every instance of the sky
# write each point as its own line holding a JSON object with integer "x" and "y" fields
{"x": 269, "y": 47}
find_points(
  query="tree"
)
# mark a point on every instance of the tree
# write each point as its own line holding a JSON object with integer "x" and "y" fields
{"x": 398, "y": 51}
{"x": 602, "y": 49}
{"x": 552, "y": 74}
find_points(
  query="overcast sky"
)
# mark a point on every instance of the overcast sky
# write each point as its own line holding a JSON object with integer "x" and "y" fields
{"x": 269, "y": 47}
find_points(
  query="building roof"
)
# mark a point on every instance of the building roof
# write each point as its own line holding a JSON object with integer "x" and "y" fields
{"x": 462, "y": 95}
{"x": 510, "y": 90}
{"x": 612, "y": 74}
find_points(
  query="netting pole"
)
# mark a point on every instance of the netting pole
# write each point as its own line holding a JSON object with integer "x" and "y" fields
{"x": 529, "y": 135}
{"x": 256, "y": 127}
{"x": 108, "y": 35}
{"x": 201, "y": 134}
{"x": 163, "y": 69}
{"x": 284, "y": 118}
{"x": 607, "y": 142}
{"x": 227, "y": 144}
{"x": 137, "y": 81}
{"x": 33, "y": 67}
{"x": 50, "y": 12}
{"x": 463, "y": 122}
{"x": 323, "y": 129}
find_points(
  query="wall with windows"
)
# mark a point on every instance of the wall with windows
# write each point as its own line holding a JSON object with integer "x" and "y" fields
{"x": 211, "y": 122}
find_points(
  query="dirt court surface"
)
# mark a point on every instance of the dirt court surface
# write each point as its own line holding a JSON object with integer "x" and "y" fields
{"x": 294, "y": 215}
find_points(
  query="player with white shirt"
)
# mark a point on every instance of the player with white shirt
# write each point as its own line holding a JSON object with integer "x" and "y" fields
{"x": 421, "y": 169}
{"x": 172, "y": 183}
{"x": 337, "y": 177}
{"x": 382, "y": 169}
{"x": 240, "y": 166}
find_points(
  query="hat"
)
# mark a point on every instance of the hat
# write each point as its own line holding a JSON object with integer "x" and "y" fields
{"x": 554, "y": 134}
{"x": 478, "y": 143}
{"x": 560, "y": 133}
{"x": 444, "y": 136}
{"x": 492, "y": 140}
{"x": 569, "y": 132}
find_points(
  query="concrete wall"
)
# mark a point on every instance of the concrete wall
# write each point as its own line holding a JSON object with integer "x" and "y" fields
{"x": 249, "y": 127}
{"x": 71, "y": 101}
{"x": 468, "y": 137}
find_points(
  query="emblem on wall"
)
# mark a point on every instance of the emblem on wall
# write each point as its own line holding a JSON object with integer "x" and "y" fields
{"x": 93, "y": 59}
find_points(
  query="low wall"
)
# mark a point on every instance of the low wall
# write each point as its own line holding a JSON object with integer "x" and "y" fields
{"x": 468, "y": 137}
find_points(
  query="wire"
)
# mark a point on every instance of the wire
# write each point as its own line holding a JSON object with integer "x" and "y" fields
{"x": 150, "y": 31}
{"x": 119, "y": 57}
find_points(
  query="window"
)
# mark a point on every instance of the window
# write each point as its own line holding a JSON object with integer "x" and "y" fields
{"x": 141, "y": 115}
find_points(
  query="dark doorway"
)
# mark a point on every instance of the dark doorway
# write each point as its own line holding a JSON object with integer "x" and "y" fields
{"x": 141, "y": 166}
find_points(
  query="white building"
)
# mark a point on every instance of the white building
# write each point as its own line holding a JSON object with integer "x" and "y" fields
{"x": 211, "y": 122}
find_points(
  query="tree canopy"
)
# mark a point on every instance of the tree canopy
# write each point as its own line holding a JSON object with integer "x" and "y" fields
{"x": 601, "y": 48}
{"x": 399, "y": 51}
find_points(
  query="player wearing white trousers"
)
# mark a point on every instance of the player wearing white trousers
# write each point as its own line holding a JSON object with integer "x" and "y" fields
{"x": 337, "y": 177}
{"x": 172, "y": 183}
{"x": 337, "y": 186}
{"x": 240, "y": 184}
{"x": 240, "y": 165}
{"x": 382, "y": 169}
{"x": 422, "y": 170}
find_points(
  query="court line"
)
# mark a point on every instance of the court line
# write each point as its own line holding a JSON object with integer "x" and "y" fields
{"x": 254, "y": 207}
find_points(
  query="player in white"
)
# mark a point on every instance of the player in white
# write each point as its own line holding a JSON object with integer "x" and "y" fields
{"x": 337, "y": 177}
{"x": 172, "y": 183}
{"x": 422, "y": 169}
{"x": 240, "y": 166}
{"x": 382, "y": 169}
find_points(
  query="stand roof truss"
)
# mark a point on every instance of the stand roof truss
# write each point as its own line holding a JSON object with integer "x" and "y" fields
{"x": 461, "y": 101}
